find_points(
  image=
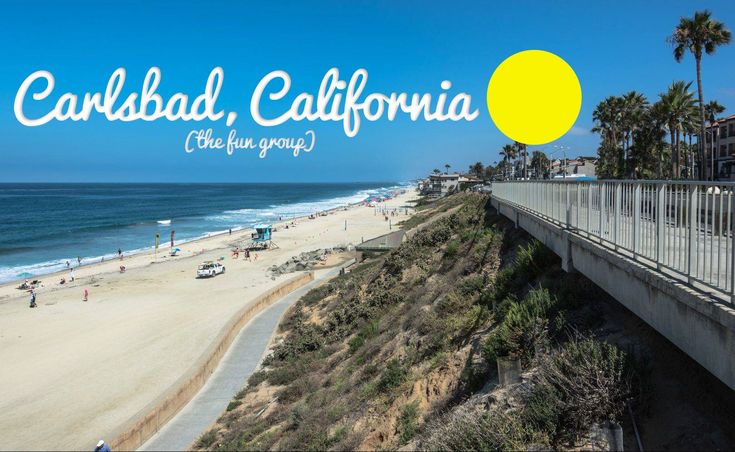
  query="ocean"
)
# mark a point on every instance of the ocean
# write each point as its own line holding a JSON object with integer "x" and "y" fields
{"x": 44, "y": 225}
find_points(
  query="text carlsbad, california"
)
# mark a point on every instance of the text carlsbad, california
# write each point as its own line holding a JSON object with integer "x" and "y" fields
{"x": 336, "y": 101}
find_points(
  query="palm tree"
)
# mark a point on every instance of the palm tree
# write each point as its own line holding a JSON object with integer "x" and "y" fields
{"x": 508, "y": 152}
{"x": 607, "y": 117}
{"x": 696, "y": 35}
{"x": 540, "y": 161}
{"x": 711, "y": 110}
{"x": 633, "y": 105}
{"x": 477, "y": 169}
{"x": 437, "y": 171}
{"x": 447, "y": 166}
{"x": 657, "y": 115}
{"x": 677, "y": 105}
{"x": 523, "y": 153}
{"x": 648, "y": 141}
{"x": 690, "y": 127}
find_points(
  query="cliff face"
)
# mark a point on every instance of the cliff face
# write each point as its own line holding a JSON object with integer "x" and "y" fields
{"x": 362, "y": 360}
{"x": 402, "y": 351}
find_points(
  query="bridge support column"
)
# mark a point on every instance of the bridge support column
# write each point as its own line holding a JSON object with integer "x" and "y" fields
{"x": 566, "y": 256}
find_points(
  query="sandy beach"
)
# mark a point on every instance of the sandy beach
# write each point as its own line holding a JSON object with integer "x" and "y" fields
{"x": 74, "y": 372}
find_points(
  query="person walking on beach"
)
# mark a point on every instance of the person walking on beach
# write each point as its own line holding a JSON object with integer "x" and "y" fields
{"x": 68, "y": 264}
{"x": 119, "y": 254}
{"x": 230, "y": 231}
{"x": 86, "y": 294}
{"x": 33, "y": 299}
{"x": 71, "y": 275}
{"x": 102, "y": 447}
{"x": 247, "y": 255}
{"x": 79, "y": 261}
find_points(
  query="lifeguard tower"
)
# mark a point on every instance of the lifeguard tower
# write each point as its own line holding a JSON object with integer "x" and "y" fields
{"x": 261, "y": 238}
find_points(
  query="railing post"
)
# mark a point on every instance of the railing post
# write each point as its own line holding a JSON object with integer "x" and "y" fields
{"x": 579, "y": 204}
{"x": 603, "y": 204}
{"x": 568, "y": 207}
{"x": 693, "y": 194}
{"x": 618, "y": 202}
{"x": 636, "y": 218}
{"x": 589, "y": 209}
{"x": 660, "y": 224}
{"x": 732, "y": 247}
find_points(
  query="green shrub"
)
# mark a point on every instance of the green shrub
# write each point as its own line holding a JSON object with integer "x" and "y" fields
{"x": 534, "y": 258}
{"x": 287, "y": 372}
{"x": 452, "y": 249}
{"x": 473, "y": 378}
{"x": 207, "y": 439}
{"x": 542, "y": 410}
{"x": 472, "y": 285}
{"x": 587, "y": 381}
{"x": 407, "y": 422}
{"x": 234, "y": 404}
{"x": 368, "y": 331}
{"x": 257, "y": 378}
{"x": 466, "y": 429}
{"x": 393, "y": 376}
{"x": 305, "y": 337}
{"x": 530, "y": 262}
{"x": 522, "y": 329}
{"x": 317, "y": 294}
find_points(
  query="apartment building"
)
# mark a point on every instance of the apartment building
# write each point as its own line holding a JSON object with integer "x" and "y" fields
{"x": 723, "y": 146}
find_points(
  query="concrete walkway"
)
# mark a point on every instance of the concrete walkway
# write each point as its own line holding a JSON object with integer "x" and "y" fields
{"x": 236, "y": 366}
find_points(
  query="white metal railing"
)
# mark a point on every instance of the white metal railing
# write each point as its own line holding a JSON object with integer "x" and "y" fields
{"x": 682, "y": 227}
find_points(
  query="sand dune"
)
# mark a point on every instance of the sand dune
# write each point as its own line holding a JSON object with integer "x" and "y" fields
{"x": 74, "y": 372}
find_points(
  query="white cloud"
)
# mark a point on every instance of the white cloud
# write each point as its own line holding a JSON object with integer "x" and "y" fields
{"x": 579, "y": 131}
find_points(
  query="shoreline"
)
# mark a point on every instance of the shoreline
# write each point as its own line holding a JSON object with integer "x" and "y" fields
{"x": 239, "y": 233}
{"x": 164, "y": 246}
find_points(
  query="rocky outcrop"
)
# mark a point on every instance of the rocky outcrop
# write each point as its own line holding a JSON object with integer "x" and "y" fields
{"x": 304, "y": 261}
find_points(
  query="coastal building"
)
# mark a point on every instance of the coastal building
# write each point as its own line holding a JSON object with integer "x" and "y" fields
{"x": 438, "y": 185}
{"x": 720, "y": 141}
{"x": 466, "y": 181}
{"x": 577, "y": 167}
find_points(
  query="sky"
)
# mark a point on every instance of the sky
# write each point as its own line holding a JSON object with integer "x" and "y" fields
{"x": 407, "y": 46}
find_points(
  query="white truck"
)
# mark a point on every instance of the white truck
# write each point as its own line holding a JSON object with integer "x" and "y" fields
{"x": 208, "y": 269}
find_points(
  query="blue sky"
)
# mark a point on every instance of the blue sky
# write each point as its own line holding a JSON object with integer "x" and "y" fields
{"x": 405, "y": 46}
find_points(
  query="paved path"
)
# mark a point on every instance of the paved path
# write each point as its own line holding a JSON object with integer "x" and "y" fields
{"x": 242, "y": 358}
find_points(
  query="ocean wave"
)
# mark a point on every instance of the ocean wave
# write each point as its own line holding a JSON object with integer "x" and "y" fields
{"x": 250, "y": 217}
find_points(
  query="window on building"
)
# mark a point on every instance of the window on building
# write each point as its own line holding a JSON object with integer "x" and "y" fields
{"x": 723, "y": 150}
{"x": 731, "y": 148}
{"x": 723, "y": 132}
{"x": 731, "y": 128}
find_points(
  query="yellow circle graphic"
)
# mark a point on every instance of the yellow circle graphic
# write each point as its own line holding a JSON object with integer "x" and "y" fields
{"x": 534, "y": 97}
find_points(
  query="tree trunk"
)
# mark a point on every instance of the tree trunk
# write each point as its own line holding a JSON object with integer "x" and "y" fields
{"x": 685, "y": 154}
{"x": 624, "y": 166}
{"x": 673, "y": 152}
{"x": 678, "y": 153}
{"x": 700, "y": 92}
